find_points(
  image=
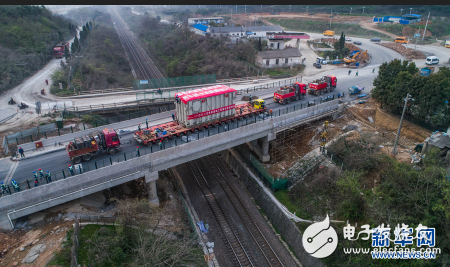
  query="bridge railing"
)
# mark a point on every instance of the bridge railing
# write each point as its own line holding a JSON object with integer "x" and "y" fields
{"x": 170, "y": 93}
{"x": 28, "y": 180}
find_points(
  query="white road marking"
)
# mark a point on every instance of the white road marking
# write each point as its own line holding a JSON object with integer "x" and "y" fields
{"x": 11, "y": 172}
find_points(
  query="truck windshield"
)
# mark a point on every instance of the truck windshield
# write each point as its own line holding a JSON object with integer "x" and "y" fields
{"x": 115, "y": 139}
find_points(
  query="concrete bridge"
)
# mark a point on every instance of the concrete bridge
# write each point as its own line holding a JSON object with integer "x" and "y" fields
{"x": 43, "y": 197}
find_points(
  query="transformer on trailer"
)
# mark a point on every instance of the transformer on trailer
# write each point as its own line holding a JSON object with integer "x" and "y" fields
{"x": 199, "y": 110}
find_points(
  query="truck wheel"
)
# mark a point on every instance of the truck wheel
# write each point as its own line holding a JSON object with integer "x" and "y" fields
{"x": 222, "y": 123}
{"x": 251, "y": 115}
{"x": 240, "y": 118}
{"x": 76, "y": 160}
{"x": 288, "y": 101}
{"x": 296, "y": 98}
{"x": 234, "y": 119}
{"x": 327, "y": 90}
{"x": 111, "y": 151}
{"x": 246, "y": 116}
{"x": 204, "y": 128}
{"x": 321, "y": 92}
{"x": 302, "y": 96}
{"x": 229, "y": 121}
{"x": 195, "y": 130}
{"x": 188, "y": 133}
{"x": 87, "y": 157}
{"x": 166, "y": 140}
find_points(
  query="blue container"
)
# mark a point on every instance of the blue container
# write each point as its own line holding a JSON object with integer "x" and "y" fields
{"x": 357, "y": 64}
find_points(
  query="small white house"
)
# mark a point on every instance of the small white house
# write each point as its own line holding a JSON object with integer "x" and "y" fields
{"x": 279, "y": 58}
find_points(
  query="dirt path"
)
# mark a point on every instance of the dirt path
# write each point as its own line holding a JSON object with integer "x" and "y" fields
{"x": 372, "y": 26}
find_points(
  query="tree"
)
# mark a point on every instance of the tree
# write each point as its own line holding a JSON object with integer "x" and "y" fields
{"x": 66, "y": 52}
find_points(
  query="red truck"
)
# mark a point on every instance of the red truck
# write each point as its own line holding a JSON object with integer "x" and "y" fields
{"x": 84, "y": 147}
{"x": 58, "y": 50}
{"x": 324, "y": 85}
{"x": 199, "y": 110}
{"x": 290, "y": 93}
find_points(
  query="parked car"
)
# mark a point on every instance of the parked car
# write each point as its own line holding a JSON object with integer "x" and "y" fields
{"x": 431, "y": 60}
{"x": 375, "y": 40}
{"x": 357, "y": 43}
{"x": 348, "y": 39}
{"x": 317, "y": 65}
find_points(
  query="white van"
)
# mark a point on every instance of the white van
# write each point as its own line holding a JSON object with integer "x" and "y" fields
{"x": 432, "y": 60}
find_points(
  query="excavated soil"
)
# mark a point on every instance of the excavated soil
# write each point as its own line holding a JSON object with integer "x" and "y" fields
{"x": 409, "y": 53}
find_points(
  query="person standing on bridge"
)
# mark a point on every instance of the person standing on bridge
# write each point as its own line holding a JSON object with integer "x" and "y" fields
{"x": 41, "y": 173}
{"x": 160, "y": 144}
{"x": 70, "y": 169}
{"x": 15, "y": 185}
{"x": 177, "y": 99}
{"x": 3, "y": 188}
{"x": 139, "y": 127}
{"x": 49, "y": 177}
{"x": 146, "y": 122}
{"x": 173, "y": 117}
{"x": 35, "y": 176}
{"x": 250, "y": 98}
{"x": 46, "y": 81}
{"x": 36, "y": 183}
{"x": 21, "y": 152}
{"x": 349, "y": 72}
{"x": 137, "y": 152}
{"x": 373, "y": 71}
{"x": 356, "y": 73}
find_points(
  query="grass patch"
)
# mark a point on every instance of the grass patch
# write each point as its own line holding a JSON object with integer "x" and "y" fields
{"x": 85, "y": 234}
{"x": 63, "y": 257}
{"x": 285, "y": 199}
{"x": 285, "y": 71}
{"x": 321, "y": 26}
{"x": 54, "y": 90}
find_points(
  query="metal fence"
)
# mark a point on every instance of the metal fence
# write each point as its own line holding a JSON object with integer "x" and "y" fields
{"x": 154, "y": 147}
{"x": 174, "y": 81}
{"x": 170, "y": 93}
{"x": 259, "y": 169}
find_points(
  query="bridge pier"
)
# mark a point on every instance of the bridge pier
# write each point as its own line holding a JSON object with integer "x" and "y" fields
{"x": 150, "y": 184}
{"x": 263, "y": 151}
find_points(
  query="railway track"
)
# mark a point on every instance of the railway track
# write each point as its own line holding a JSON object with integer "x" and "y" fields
{"x": 241, "y": 257}
{"x": 256, "y": 234}
{"x": 237, "y": 247}
{"x": 145, "y": 67}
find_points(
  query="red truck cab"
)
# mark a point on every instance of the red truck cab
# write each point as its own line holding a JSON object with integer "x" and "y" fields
{"x": 110, "y": 139}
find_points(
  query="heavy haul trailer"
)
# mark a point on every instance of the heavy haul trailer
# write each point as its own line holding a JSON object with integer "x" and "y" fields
{"x": 286, "y": 94}
{"x": 324, "y": 85}
{"x": 84, "y": 147}
{"x": 199, "y": 110}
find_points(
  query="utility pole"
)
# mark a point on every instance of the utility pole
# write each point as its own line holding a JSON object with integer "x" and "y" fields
{"x": 331, "y": 14}
{"x": 351, "y": 10}
{"x": 363, "y": 9}
{"x": 307, "y": 10}
{"x": 410, "y": 10}
{"x": 401, "y": 121}
{"x": 401, "y": 11}
{"x": 426, "y": 26}
{"x": 236, "y": 9}
{"x": 289, "y": 8}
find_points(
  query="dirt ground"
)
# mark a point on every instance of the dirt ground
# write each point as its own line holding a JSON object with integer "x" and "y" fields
{"x": 41, "y": 227}
{"x": 409, "y": 53}
{"x": 385, "y": 125}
